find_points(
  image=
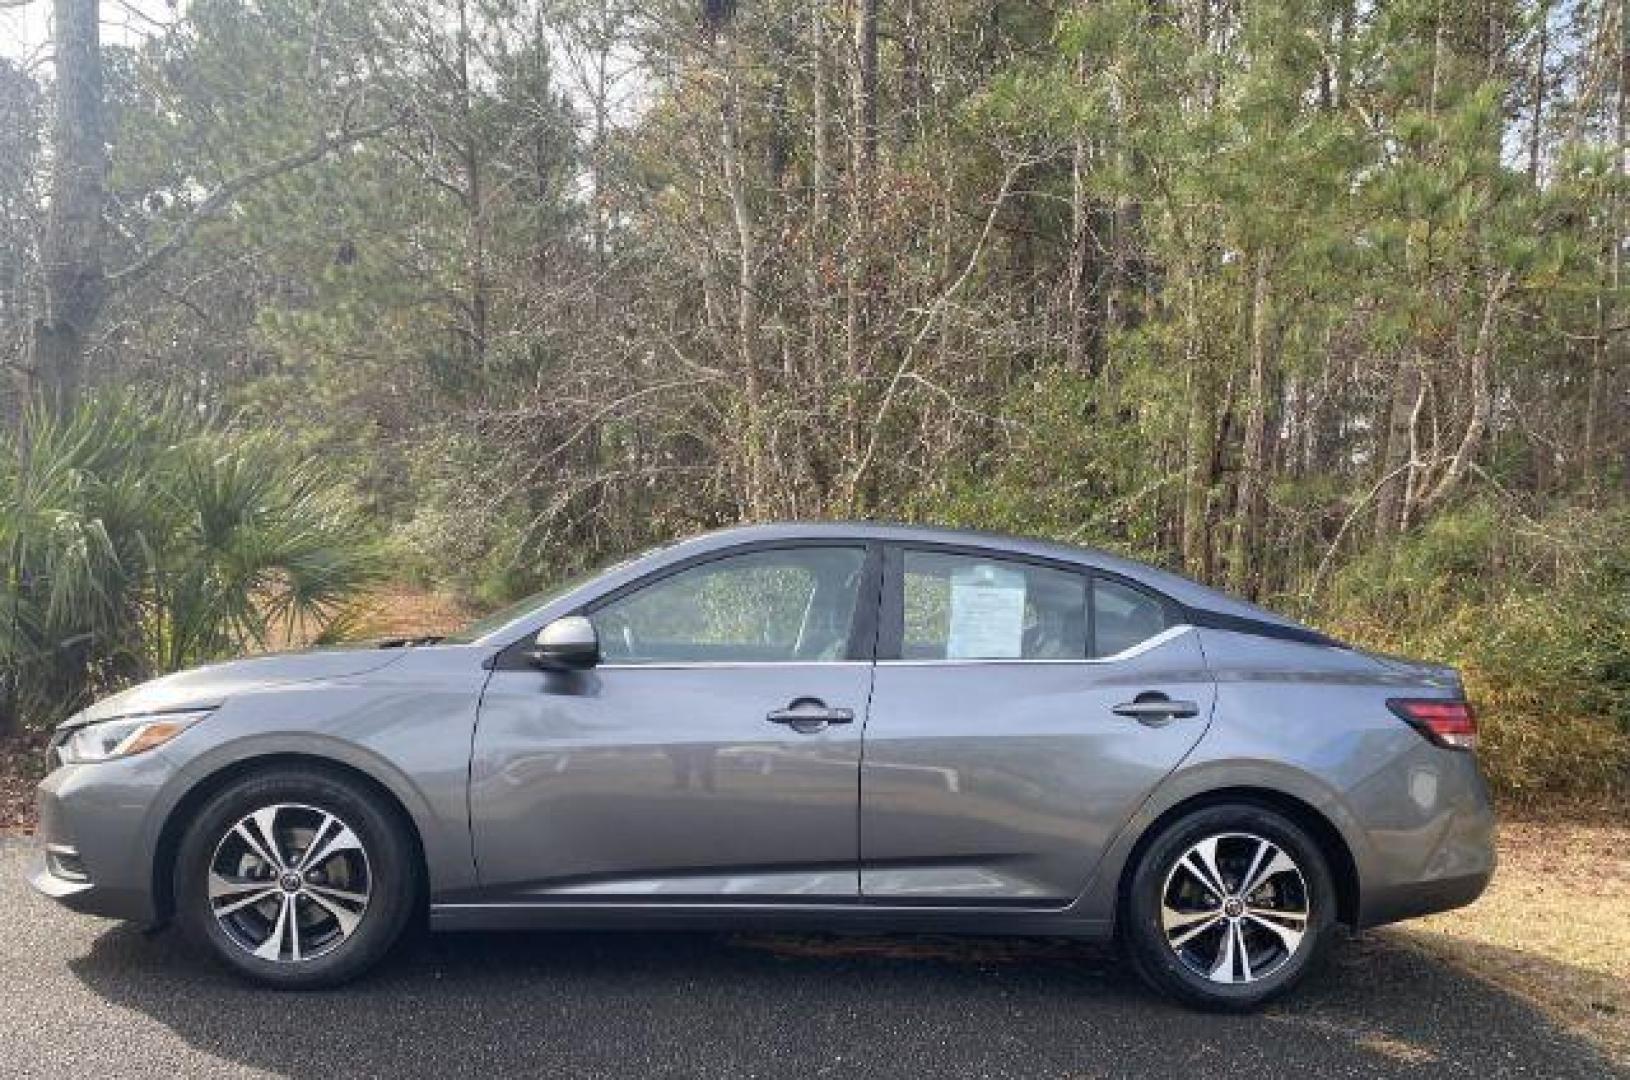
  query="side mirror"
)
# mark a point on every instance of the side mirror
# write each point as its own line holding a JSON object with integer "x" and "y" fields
{"x": 568, "y": 644}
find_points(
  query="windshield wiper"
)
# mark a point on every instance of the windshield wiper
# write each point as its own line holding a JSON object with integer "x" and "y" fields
{"x": 407, "y": 642}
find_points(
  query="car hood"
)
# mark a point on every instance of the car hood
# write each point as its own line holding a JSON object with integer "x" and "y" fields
{"x": 204, "y": 687}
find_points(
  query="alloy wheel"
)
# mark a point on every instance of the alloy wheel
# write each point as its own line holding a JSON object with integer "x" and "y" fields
{"x": 289, "y": 883}
{"x": 1235, "y": 908}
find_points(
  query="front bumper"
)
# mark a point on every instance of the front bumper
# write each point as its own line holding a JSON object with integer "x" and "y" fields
{"x": 96, "y": 838}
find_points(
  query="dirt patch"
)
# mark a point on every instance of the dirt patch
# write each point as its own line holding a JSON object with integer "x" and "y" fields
{"x": 1552, "y": 926}
{"x": 408, "y": 612}
{"x": 388, "y": 611}
{"x": 22, "y": 764}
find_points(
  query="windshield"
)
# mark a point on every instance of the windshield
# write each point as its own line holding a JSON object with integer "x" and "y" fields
{"x": 510, "y": 612}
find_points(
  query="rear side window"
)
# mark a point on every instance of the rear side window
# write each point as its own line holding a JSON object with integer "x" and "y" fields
{"x": 968, "y": 607}
{"x": 1123, "y": 616}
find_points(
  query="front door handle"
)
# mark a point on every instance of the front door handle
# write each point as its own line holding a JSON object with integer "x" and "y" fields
{"x": 808, "y": 715}
{"x": 1156, "y": 708}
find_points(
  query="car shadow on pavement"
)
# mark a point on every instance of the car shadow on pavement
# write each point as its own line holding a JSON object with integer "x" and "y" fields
{"x": 667, "y": 1004}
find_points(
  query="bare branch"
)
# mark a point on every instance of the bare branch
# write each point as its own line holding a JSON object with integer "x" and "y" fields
{"x": 223, "y": 196}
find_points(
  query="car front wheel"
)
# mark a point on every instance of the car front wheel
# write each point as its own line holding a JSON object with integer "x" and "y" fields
{"x": 295, "y": 878}
{"x": 1228, "y": 907}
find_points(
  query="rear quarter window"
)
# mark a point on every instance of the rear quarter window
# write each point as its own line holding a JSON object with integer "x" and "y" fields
{"x": 1123, "y": 616}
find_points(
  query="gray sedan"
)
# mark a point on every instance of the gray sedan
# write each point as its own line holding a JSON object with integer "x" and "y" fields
{"x": 840, "y": 726}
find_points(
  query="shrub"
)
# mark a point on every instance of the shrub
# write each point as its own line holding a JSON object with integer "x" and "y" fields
{"x": 140, "y": 537}
{"x": 1537, "y": 617}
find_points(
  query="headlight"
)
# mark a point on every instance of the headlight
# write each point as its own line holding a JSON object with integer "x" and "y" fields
{"x": 123, "y": 736}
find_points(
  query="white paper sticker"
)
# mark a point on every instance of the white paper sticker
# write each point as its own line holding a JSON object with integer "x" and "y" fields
{"x": 987, "y": 614}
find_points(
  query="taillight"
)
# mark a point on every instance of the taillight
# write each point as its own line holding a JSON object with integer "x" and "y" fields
{"x": 1447, "y": 723}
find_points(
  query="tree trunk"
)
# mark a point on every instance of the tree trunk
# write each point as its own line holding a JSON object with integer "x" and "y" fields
{"x": 475, "y": 252}
{"x": 1199, "y": 449}
{"x": 746, "y": 328}
{"x": 1604, "y": 345}
{"x": 1536, "y": 129}
{"x": 863, "y": 158}
{"x": 1086, "y": 299}
{"x": 1243, "y": 564}
{"x": 74, "y": 278}
{"x": 1395, "y": 448}
{"x": 1480, "y": 391}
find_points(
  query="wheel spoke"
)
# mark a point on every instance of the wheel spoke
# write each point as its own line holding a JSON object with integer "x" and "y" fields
{"x": 313, "y": 845}
{"x": 1223, "y": 971}
{"x": 1172, "y": 919}
{"x": 1244, "y": 954}
{"x": 259, "y": 832}
{"x": 1194, "y": 931}
{"x": 272, "y": 947}
{"x": 1279, "y": 864}
{"x": 247, "y": 901}
{"x": 347, "y": 920}
{"x": 221, "y": 886}
{"x": 1201, "y": 863}
{"x": 360, "y": 899}
{"x": 294, "y": 928}
{"x": 1262, "y": 849}
{"x": 342, "y": 839}
{"x": 1288, "y": 936}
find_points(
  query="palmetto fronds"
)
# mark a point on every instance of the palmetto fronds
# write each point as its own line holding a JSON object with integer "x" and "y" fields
{"x": 140, "y": 537}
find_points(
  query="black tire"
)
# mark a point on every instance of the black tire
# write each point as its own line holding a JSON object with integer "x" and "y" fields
{"x": 391, "y": 870}
{"x": 1142, "y": 932}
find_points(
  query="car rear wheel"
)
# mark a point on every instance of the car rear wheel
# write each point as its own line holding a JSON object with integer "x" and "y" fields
{"x": 295, "y": 878}
{"x": 1228, "y": 907}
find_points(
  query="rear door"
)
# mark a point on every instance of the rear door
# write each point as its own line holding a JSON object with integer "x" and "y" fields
{"x": 1021, "y": 711}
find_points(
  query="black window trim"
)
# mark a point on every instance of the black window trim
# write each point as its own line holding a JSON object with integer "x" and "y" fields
{"x": 863, "y": 629}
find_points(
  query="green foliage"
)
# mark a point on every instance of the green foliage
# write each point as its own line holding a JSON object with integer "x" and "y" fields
{"x": 140, "y": 537}
{"x": 1537, "y": 616}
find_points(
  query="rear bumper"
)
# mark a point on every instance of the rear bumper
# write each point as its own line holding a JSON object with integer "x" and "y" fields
{"x": 1399, "y": 902}
{"x": 1436, "y": 861}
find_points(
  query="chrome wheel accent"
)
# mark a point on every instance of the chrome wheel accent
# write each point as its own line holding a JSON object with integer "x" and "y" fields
{"x": 1234, "y": 908}
{"x": 289, "y": 882}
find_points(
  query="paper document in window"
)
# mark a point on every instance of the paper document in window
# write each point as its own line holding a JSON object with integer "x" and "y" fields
{"x": 987, "y": 613}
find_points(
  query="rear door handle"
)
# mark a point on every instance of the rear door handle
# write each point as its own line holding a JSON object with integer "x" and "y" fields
{"x": 810, "y": 714}
{"x": 1155, "y": 708}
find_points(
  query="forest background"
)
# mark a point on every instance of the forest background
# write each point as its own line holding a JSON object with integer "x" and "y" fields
{"x": 1320, "y": 301}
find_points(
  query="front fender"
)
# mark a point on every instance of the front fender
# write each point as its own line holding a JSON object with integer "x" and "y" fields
{"x": 413, "y": 738}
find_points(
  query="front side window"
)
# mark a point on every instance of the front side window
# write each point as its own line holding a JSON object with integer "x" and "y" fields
{"x": 781, "y": 605}
{"x": 967, "y": 607}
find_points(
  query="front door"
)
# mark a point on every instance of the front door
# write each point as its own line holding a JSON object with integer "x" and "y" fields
{"x": 712, "y": 755}
{"x": 1020, "y": 714}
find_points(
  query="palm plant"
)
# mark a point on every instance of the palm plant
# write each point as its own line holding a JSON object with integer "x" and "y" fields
{"x": 141, "y": 537}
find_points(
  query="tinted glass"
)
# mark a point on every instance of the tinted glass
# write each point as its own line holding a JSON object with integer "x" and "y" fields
{"x": 961, "y": 607}
{"x": 1123, "y": 616}
{"x": 796, "y": 604}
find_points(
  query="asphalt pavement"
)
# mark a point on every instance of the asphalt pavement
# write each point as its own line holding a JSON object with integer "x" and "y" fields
{"x": 85, "y": 998}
